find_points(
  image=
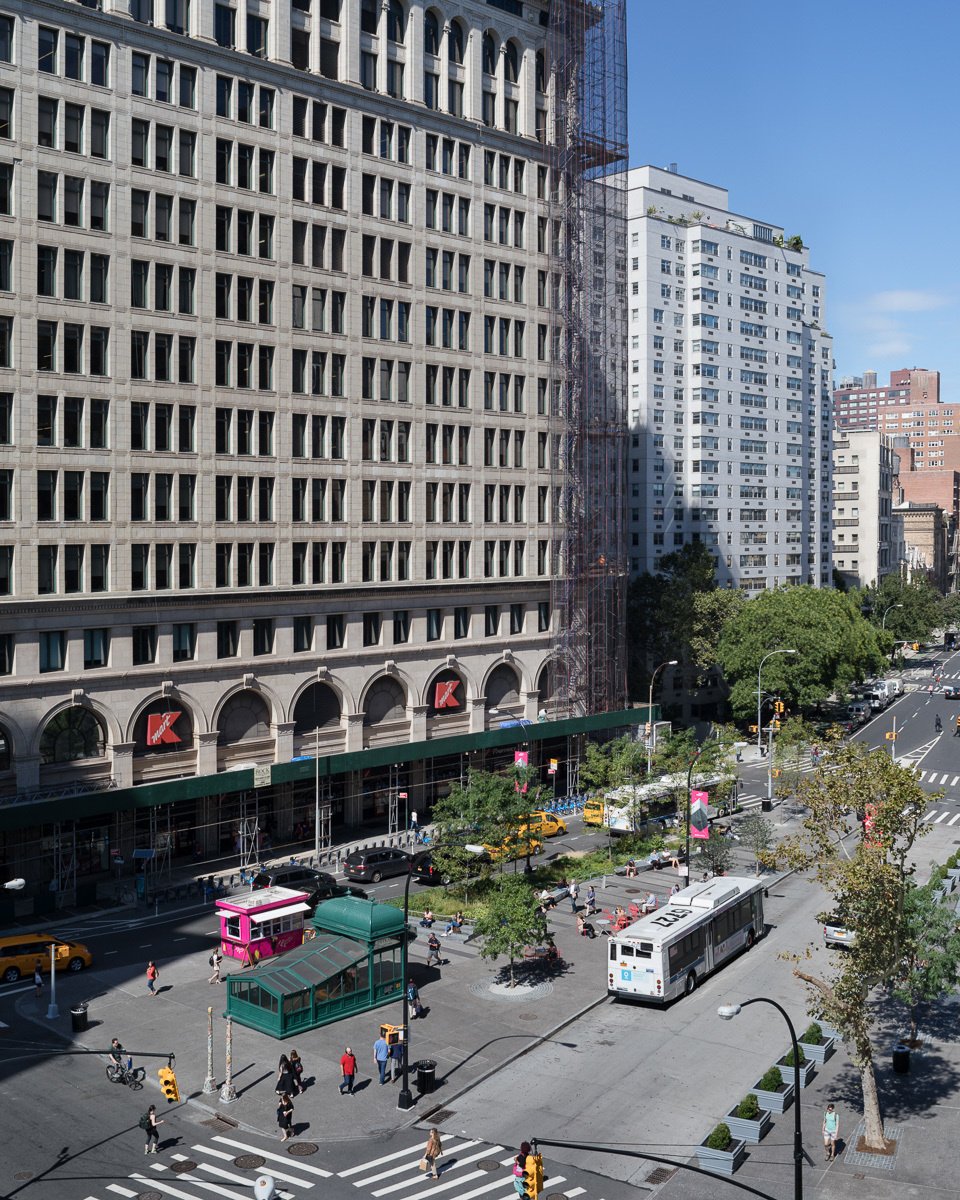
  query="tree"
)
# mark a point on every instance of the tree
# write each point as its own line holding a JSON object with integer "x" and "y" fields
{"x": 795, "y": 738}
{"x": 930, "y": 964}
{"x": 487, "y": 810}
{"x": 868, "y": 886}
{"x": 613, "y": 764}
{"x": 835, "y": 645}
{"x": 510, "y": 920}
{"x": 715, "y": 853}
{"x": 756, "y": 834}
{"x": 906, "y": 611}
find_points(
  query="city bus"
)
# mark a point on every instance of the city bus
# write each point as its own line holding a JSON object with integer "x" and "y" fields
{"x": 666, "y": 953}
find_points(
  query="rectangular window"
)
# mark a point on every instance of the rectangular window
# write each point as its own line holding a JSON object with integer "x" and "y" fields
{"x": 227, "y": 639}
{"x": 53, "y": 651}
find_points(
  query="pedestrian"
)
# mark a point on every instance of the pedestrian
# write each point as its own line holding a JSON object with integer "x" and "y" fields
{"x": 414, "y": 823}
{"x": 285, "y": 1083}
{"x": 831, "y": 1127}
{"x": 675, "y": 889}
{"x": 148, "y": 1123}
{"x": 433, "y": 950}
{"x": 574, "y": 895}
{"x": 591, "y": 900}
{"x": 296, "y": 1067}
{"x": 413, "y": 1000}
{"x": 152, "y": 976}
{"x": 38, "y": 977}
{"x": 285, "y": 1117}
{"x": 431, "y": 1152}
{"x": 216, "y": 958}
{"x": 381, "y": 1056}
{"x": 956, "y": 732}
{"x": 348, "y": 1071}
{"x": 396, "y": 1060}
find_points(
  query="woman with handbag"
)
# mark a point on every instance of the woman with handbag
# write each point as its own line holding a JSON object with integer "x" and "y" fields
{"x": 431, "y": 1152}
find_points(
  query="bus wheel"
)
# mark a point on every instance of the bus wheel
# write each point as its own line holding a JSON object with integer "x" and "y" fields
{"x": 690, "y": 984}
{"x": 750, "y": 938}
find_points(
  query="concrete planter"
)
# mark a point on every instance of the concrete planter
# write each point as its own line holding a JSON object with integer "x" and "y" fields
{"x": 775, "y": 1102}
{"x": 820, "y": 1052}
{"x": 806, "y": 1071}
{"x": 721, "y": 1162}
{"x": 745, "y": 1130}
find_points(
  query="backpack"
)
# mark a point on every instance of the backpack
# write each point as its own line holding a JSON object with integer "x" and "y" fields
{"x": 212, "y": 960}
{"x": 144, "y": 1121}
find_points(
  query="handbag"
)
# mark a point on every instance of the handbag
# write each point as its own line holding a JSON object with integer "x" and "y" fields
{"x": 423, "y": 1164}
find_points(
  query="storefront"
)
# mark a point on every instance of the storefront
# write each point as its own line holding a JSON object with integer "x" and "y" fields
{"x": 261, "y": 924}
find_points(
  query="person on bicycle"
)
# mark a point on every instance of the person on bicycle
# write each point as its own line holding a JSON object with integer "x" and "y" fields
{"x": 117, "y": 1052}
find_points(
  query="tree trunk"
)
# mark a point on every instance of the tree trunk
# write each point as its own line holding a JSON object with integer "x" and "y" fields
{"x": 872, "y": 1120}
{"x": 512, "y": 982}
{"x": 913, "y": 1023}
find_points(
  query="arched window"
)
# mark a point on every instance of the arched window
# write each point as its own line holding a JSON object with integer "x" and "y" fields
{"x": 541, "y": 80}
{"x": 455, "y": 43}
{"x": 503, "y": 687}
{"x": 431, "y": 33}
{"x": 396, "y": 21}
{"x": 244, "y": 716}
{"x": 489, "y": 54}
{"x": 164, "y": 727}
{"x": 317, "y": 708}
{"x": 511, "y": 63}
{"x": 74, "y": 733}
{"x": 386, "y": 701}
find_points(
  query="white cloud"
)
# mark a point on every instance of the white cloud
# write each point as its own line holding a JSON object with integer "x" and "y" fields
{"x": 905, "y": 301}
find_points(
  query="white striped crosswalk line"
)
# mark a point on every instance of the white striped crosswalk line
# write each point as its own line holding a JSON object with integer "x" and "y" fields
{"x": 121, "y": 1191}
{"x": 458, "y": 1162}
{"x": 376, "y": 1162}
{"x": 230, "y": 1177}
{"x": 211, "y": 1153}
{"x": 416, "y": 1152}
{"x": 280, "y": 1158}
{"x": 217, "y": 1189}
{"x": 954, "y": 819}
{"x": 571, "y": 1192}
{"x": 943, "y": 816}
{"x": 929, "y": 817}
{"x": 161, "y": 1185}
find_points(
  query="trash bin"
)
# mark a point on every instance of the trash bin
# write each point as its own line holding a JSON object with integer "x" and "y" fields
{"x": 901, "y": 1059}
{"x": 766, "y": 805}
{"x": 426, "y": 1076}
{"x": 78, "y": 1018}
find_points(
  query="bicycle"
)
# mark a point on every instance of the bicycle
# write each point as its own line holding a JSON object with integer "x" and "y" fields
{"x": 133, "y": 1077}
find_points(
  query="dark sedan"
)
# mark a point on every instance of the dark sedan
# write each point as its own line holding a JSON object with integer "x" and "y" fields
{"x": 372, "y": 865}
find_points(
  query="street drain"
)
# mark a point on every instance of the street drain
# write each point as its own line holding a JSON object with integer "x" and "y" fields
{"x": 302, "y": 1149}
{"x": 220, "y": 1122}
{"x": 249, "y": 1162}
{"x": 528, "y": 1017}
{"x": 186, "y": 1164}
{"x": 437, "y": 1115}
{"x": 24, "y": 1175}
{"x": 661, "y": 1175}
{"x": 488, "y": 1164}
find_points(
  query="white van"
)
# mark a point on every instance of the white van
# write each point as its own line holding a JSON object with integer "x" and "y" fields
{"x": 879, "y": 696}
{"x": 894, "y": 687}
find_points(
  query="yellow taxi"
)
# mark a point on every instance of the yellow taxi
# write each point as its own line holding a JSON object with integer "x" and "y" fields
{"x": 543, "y": 824}
{"x": 513, "y": 847}
{"x": 20, "y": 952}
{"x": 593, "y": 811}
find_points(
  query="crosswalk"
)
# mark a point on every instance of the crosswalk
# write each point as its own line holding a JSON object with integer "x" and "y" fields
{"x": 469, "y": 1170}
{"x": 950, "y": 816}
{"x": 938, "y": 778}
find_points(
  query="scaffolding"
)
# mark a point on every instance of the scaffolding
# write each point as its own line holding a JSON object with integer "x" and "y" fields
{"x": 586, "y": 151}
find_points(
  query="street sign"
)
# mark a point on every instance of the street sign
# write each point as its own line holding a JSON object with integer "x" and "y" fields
{"x": 699, "y": 824}
{"x": 261, "y": 775}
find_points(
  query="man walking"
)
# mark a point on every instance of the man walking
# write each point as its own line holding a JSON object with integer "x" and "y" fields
{"x": 414, "y": 823}
{"x": 591, "y": 900}
{"x": 574, "y": 895}
{"x": 433, "y": 950}
{"x": 216, "y": 958}
{"x": 381, "y": 1056}
{"x": 348, "y": 1071}
{"x": 38, "y": 977}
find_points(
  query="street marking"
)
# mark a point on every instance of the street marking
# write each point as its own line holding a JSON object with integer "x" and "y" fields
{"x": 574, "y": 1192}
{"x": 377, "y": 1161}
{"x": 942, "y": 817}
{"x": 404, "y": 1183}
{"x": 954, "y": 780}
{"x": 166, "y": 1187}
{"x": 222, "y": 1191}
{"x": 417, "y": 1151}
{"x": 954, "y": 819}
{"x": 930, "y": 815}
{"x": 231, "y": 1178}
{"x": 280, "y": 1158}
{"x": 239, "y": 1179}
{"x": 121, "y": 1191}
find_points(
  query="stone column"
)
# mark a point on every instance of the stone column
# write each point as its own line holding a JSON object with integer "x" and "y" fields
{"x": 527, "y": 117}
{"x": 413, "y": 62}
{"x": 417, "y": 715}
{"x": 354, "y": 731}
{"x": 283, "y": 740}
{"x": 382, "y": 44}
{"x": 123, "y": 763}
{"x": 478, "y": 714}
{"x": 473, "y": 87}
{"x": 207, "y": 752}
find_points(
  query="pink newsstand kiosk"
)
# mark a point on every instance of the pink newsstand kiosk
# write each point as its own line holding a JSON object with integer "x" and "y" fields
{"x": 261, "y": 924}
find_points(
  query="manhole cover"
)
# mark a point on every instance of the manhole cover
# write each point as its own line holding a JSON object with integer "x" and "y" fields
{"x": 661, "y": 1174}
{"x": 437, "y": 1115}
{"x": 219, "y": 1122}
{"x": 24, "y": 1175}
{"x": 633, "y": 891}
{"x": 249, "y": 1162}
{"x": 302, "y": 1149}
{"x": 488, "y": 1164}
{"x": 150, "y": 1196}
{"x": 528, "y": 1017}
{"x": 557, "y": 1196}
{"x": 184, "y": 1165}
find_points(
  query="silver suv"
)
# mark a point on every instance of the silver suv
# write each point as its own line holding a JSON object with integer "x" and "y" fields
{"x": 836, "y": 931}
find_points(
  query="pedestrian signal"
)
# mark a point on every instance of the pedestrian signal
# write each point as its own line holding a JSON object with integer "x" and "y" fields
{"x": 168, "y": 1084}
{"x": 753, "y": 729}
{"x": 391, "y": 1034}
{"x": 777, "y": 772}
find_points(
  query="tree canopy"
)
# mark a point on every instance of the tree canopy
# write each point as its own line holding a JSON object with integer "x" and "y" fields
{"x": 835, "y": 646}
{"x": 906, "y": 611}
{"x": 510, "y": 920}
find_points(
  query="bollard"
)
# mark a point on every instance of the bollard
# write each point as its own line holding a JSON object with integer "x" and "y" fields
{"x": 228, "y": 1093}
{"x": 209, "y": 1084}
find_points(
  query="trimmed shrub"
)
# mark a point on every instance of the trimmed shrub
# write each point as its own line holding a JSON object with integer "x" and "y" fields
{"x": 749, "y": 1108}
{"x": 772, "y": 1080}
{"x": 812, "y": 1035}
{"x": 720, "y": 1139}
{"x": 788, "y": 1057}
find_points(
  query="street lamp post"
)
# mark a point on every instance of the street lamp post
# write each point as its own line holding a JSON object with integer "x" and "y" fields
{"x": 760, "y": 694}
{"x": 405, "y": 1097}
{"x": 671, "y": 663}
{"x": 15, "y": 885}
{"x": 883, "y": 622}
{"x": 727, "y": 1012}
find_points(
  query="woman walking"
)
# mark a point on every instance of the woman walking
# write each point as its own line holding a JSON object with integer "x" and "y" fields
{"x": 296, "y": 1067}
{"x": 285, "y": 1117}
{"x": 431, "y": 1152}
{"x": 286, "y": 1082}
{"x": 151, "y": 1130}
{"x": 831, "y": 1128}
{"x": 152, "y": 976}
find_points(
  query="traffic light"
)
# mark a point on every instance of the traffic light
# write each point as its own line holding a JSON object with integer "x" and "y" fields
{"x": 168, "y": 1084}
{"x": 776, "y": 772}
{"x": 753, "y": 729}
{"x": 779, "y": 707}
{"x": 533, "y": 1176}
{"x": 915, "y": 646}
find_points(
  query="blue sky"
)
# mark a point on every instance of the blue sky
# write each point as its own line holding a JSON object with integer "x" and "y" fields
{"x": 838, "y": 121}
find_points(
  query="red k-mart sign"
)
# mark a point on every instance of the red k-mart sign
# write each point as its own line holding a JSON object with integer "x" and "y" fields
{"x": 160, "y": 728}
{"x": 445, "y": 694}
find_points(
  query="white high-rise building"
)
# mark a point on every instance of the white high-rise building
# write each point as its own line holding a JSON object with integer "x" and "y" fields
{"x": 728, "y": 388}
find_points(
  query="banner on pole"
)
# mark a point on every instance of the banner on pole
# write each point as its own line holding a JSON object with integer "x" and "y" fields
{"x": 699, "y": 824}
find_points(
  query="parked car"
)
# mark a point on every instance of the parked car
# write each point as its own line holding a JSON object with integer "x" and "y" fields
{"x": 424, "y": 870}
{"x": 859, "y": 711}
{"x": 951, "y": 691}
{"x": 836, "y": 931}
{"x": 19, "y": 953}
{"x": 514, "y": 847}
{"x": 318, "y": 885}
{"x": 376, "y": 863}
